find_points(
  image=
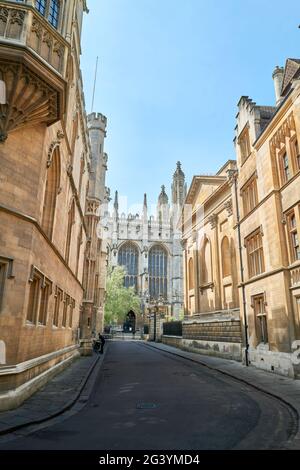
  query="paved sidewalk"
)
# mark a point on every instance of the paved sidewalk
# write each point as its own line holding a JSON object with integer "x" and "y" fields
{"x": 57, "y": 396}
{"x": 283, "y": 388}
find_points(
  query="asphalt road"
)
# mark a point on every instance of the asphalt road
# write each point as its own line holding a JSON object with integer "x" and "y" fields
{"x": 147, "y": 399}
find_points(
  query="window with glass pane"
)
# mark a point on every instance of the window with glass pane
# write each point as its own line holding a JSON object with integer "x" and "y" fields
{"x": 294, "y": 239}
{"x": 128, "y": 257}
{"x": 249, "y": 195}
{"x": 40, "y": 5}
{"x": 54, "y": 12}
{"x": 286, "y": 169}
{"x": 255, "y": 254}
{"x": 158, "y": 272}
{"x": 260, "y": 319}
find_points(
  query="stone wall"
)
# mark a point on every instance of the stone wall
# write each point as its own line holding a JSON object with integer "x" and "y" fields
{"x": 218, "y": 336}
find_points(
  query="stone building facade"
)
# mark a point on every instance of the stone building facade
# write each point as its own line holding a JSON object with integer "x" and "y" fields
{"x": 150, "y": 249}
{"x": 246, "y": 262}
{"x": 212, "y": 315}
{"x": 268, "y": 195}
{"x": 48, "y": 194}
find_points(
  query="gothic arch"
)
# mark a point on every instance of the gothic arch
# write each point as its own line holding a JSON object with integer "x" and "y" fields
{"x": 158, "y": 271}
{"x": 51, "y": 191}
{"x": 226, "y": 257}
{"x": 128, "y": 256}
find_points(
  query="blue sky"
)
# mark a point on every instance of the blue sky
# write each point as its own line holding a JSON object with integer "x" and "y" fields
{"x": 170, "y": 75}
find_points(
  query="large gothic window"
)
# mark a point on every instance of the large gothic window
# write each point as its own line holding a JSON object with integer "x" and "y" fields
{"x": 158, "y": 272}
{"x": 128, "y": 257}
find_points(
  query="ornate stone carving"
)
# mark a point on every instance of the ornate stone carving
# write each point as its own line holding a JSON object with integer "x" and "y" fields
{"x": 228, "y": 207}
{"x": 54, "y": 143}
{"x": 213, "y": 220}
{"x": 11, "y": 22}
{"x": 30, "y": 100}
{"x": 282, "y": 133}
{"x": 17, "y": 16}
{"x": 232, "y": 176}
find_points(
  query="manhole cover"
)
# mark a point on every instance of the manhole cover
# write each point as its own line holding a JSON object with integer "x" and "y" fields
{"x": 146, "y": 406}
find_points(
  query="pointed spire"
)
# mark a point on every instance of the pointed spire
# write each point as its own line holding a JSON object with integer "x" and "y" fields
{"x": 178, "y": 186}
{"x": 116, "y": 203}
{"x": 145, "y": 200}
{"x": 163, "y": 198}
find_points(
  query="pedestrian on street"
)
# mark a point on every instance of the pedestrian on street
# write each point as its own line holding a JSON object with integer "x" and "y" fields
{"x": 102, "y": 342}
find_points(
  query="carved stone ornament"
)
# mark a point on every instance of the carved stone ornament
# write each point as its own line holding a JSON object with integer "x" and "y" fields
{"x": 29, "y": 100}
{"x": 228, "y": 207}
{"x": 213, "y": 220}
{"x": 282, "y": 133}
{"x": 55, "y": 143}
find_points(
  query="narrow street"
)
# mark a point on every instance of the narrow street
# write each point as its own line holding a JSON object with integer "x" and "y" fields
{"x": 148, "y": 399}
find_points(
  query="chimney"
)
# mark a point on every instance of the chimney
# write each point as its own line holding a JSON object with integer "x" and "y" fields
{"x": 278, "y": 80}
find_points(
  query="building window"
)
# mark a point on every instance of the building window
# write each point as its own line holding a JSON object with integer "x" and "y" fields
{"x": 40, "y": 5}
{"x": 255, "y": 254}
{"x": 298, "y": 309}
{"x": 285, "y": 167}
{"x": 158, "y": 272}
{"x": 65, "y": 311}
{"x": 244, "y": 144}
{"x": 71, "y": 221}
{"x": 6, "y": 272}
{"x": 3, "y": 269}
{"x": 43, "y": 309}
{"x": 54, "y": 9}
{"x": 39, "y": 293}
{"x": 51, "y": 192}
{"x": 58, "y": 300}
{"x": 296, "y": 153}
{"x": 226, "y": 257}
{"x": 260, "y": 319}
{"x": 191, "y": 274}
{"x": 293, "y": 237}
{"x": 128, "y": 257}
{"x": 79, "y": 243}
{"x": 249, "y": 195}
{"x": 72, "y": 306}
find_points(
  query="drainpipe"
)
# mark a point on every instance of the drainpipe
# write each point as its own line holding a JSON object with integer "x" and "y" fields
{"x": 232, "y": 175}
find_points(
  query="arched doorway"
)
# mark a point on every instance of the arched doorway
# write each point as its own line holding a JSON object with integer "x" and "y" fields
{"x": 130, "y": 323}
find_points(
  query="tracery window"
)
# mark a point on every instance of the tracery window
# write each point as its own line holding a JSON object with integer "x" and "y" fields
{"x": 128, "y": 257}
{"x": 158, "y": 272}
